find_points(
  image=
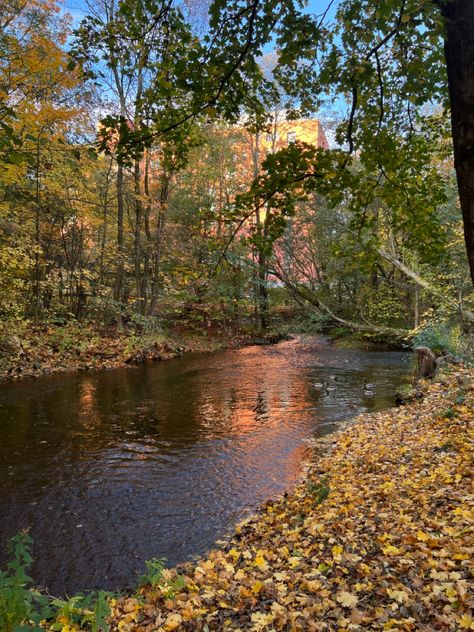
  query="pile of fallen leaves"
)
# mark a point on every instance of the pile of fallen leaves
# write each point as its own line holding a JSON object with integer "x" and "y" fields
{"x": 44, "y": 349}
{"x": 378, "y": 536}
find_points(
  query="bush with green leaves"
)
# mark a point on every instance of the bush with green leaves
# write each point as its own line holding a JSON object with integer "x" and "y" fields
{"x": 440, "y": 338}
{"x": 25, "y": 609}
{"x": 21, "y": 608}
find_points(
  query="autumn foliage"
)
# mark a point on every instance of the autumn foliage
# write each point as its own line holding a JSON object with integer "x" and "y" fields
{"x": 377, "y": 536}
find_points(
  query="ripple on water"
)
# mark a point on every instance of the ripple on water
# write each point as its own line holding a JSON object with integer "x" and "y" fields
{"x": 110, "y": 469}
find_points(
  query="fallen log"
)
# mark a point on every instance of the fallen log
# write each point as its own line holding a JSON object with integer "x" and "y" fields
{"x": 466, "y": 314}
{"x": 301, "y": 292}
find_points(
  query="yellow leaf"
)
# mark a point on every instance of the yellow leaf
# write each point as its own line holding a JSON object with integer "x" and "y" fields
{"x": 260, "y": 561}
{"x": 391, "y": 550}
{"x": 260, "y": 620}
{"x": 257, "y": 587}
{"x": 172, "y": 622}
{"x": 466, "y": 622}
{"x": 398, "y": 595}
{"x": 235, "y": 554}
{"x": 347, "y": 599}
{"x": 421, "y": 535}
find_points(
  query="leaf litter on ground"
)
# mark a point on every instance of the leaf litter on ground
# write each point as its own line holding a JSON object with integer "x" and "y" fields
{"x": 378, "y": 536}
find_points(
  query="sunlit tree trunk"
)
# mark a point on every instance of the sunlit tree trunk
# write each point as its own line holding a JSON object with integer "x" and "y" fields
{"x": 137, "y": 177}
{"x": 37, "y": 285}
{"x": 159, "y": 238}
{"x": 120, "y": 242}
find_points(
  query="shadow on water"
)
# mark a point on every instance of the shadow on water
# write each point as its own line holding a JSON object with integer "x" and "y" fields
{"x": 110, "y": 469}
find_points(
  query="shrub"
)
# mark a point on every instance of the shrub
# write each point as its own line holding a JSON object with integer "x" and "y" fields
{"x": 23, "y": 608}
{"x": 440, "y": 338}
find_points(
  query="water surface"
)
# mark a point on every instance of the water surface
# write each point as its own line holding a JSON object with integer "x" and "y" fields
{"x": 110, "y": 469}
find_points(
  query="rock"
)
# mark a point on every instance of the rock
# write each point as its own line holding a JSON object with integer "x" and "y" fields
{"x": 10, "y": 345}
{"x": 425, "y": 362}
{"x": 407, "y": 393}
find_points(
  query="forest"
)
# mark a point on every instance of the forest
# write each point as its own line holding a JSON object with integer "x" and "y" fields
{"x": 147, "y": 180}
{"x": 207, "y": 175}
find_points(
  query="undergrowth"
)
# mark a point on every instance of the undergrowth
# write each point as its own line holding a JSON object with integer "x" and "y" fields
{"x": 23, "y": 608}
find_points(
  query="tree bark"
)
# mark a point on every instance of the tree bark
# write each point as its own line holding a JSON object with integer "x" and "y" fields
{"x": 120, "y": 242}
{"x": 459, "y": 52}
{"x": 159, "y": 236}
{"x": 137, "y": 235}
{"x": 37, "y": 286}
{"x": 149, "y": 238}
{"x": 425, "y": 362}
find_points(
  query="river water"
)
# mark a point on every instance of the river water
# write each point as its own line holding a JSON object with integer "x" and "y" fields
{"x": 112, "y": 468}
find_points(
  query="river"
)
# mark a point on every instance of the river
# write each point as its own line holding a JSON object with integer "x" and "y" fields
{"x": 109, "y": 469}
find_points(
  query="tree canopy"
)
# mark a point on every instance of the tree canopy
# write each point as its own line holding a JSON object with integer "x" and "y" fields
{"x": 144, "y": 125}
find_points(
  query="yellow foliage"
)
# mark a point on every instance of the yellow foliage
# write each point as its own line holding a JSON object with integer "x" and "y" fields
{"x": 400, "y": 559}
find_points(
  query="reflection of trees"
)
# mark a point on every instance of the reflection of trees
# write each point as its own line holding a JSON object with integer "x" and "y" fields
{"x": 167, "y": 407}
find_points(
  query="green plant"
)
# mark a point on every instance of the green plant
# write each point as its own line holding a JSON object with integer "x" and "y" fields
{"x": 319, "y": 489}
{"x": 155, "y": 576}
{"x": 449, "y": 413}
{"x": 339, "y": 332}
{"x": 153, "y": 573}
{"x": 405, "y": 393}
{"x": 21, "y": 608}
{"x": 440, "y": 338}
{"x": 90, "y": 611}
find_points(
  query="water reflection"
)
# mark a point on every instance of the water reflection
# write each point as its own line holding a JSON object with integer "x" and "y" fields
{"x": 112, "y": 468}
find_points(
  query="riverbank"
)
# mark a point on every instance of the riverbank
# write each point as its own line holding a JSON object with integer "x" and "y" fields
{"x": 44, "y": 349}
{"x": 379, "y": 535}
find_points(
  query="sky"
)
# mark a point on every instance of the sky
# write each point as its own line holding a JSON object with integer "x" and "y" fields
{"x": 78, "y": 8}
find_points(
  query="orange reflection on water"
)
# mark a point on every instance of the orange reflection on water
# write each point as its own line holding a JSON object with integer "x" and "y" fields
{"x": 87, "y": 402}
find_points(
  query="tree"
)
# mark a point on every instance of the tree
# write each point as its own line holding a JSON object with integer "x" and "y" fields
{"x": 39, "y": 99}
{"x": 389, "y": 59}
{"x": 393, "y": 61}
{"x": 458, "y": 18}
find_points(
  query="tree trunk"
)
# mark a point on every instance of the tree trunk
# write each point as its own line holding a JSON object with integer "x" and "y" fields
{"x": 37, "y": 286}
{"x": 137, "y": 235}
{"x": 159, "y": 236}
{"x": 425, "y": 362}
{"x": 261, "y": 275}
{"x": 262, "y": 291}
{"x": 137, "y": 175}
{"x": 148, "y": 235}
{"x": 459, "y": 52}
{"x": 120, "y": 242}
{"x": 416, "y": 307}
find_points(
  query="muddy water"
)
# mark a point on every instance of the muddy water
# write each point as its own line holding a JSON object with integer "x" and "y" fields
{"x": 110, "y": 469}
